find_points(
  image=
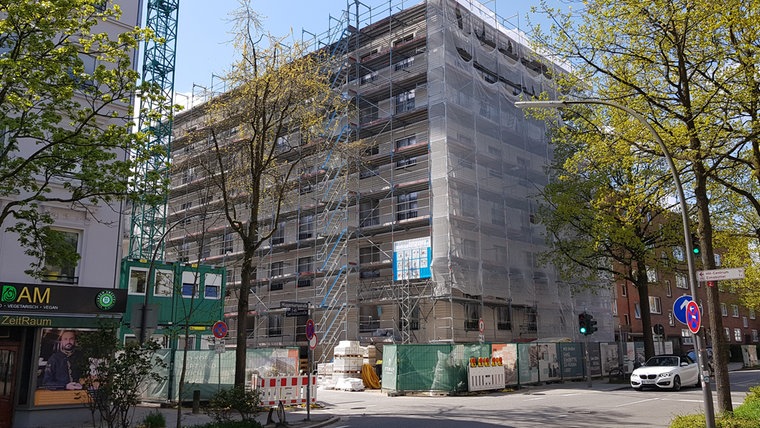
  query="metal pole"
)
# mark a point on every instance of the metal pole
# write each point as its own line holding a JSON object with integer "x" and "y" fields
{"x": 707, "y": 395}
{"x": 308, "y": 371}
{"x": 588, "y": 362}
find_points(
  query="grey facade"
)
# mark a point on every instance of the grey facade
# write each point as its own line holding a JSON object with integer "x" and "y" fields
{"x": 445, "y": 185}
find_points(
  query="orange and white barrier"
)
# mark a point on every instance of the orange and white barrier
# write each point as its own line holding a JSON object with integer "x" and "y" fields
{"x": 485, "y": 378}
{"x": 288, "y": 389}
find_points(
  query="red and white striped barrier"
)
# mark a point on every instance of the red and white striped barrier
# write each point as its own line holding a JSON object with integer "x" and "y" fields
{"x": 288, "y": 389}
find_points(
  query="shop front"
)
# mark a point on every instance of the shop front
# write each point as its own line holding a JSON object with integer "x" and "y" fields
{"x": 40, "y": 327}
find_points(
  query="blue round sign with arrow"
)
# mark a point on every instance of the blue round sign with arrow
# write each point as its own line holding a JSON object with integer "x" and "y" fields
{"x": 679, "y": 308}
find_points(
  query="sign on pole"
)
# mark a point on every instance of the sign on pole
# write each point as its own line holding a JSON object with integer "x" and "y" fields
{"x": 219, "y": 329}
{"x": 310, "y": 329}
{"x": 720, "y": 274}
{"x": 313, "y": 342}
{"x": 679, "y": 308}
{"x": 693, "y": 317}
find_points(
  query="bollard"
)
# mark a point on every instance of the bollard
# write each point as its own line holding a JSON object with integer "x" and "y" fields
{"x": 196, "y": 401}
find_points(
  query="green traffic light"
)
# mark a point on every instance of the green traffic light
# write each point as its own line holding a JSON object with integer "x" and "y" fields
{"x": 583, "y": 330}
{"x": 695, "y": 250}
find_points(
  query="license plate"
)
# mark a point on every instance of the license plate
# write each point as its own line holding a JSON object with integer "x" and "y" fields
{"x": 647, "y": 382}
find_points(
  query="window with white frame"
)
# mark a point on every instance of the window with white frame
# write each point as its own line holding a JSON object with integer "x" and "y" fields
{"x": 369, "y": 255}
{"x": 717, "y": 260}
{"x": 164, "y": 283}
{"x": 369, "y": 213}
{"x": 738, "y": 334}
{"x": 651, "y": 274}
{"x": 727, "y": 333}
{"x": 654, "y": 305}
{"x": 189, "y": 284}
{"x": 626, "y": 319}
{"x": 723, "y": 309}
{"x": 61, "y": 252}
{"x": 504, "y": 318}
{"x": 668, "y": 288}
{"x": 637, "y": 311}
{"x": 212, "y": 288}
{"x": 678, "y": 253}
{"x": 472, "y": 314}
{"x": 276, "y": 269}
{"x": 755, "y": 336}
{"x": 138, "y": 280}
{"x": 403, "y": 64}
{"x": 751, "y": 314}
{"x": 278, "y": 237}
{"x": 735, "y": 311}
{"x": 227, "y": 243}
{"x": 671, "y": 319}
{"x": 681, "y": 281}
{"x": 745, "y": 322}
{"x": 624, "y": 289}
{"x": 274, "y": 325}
{"x": 305, "y": 265}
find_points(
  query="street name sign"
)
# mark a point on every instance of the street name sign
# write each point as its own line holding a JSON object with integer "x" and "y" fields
{"x": 720, "y": 274}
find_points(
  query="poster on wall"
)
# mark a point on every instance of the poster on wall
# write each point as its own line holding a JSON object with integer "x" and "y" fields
{"x": 412, "y": 258}
{"x": 548, "y": 363}
{"x": 61, "y": 369}
{"x": 610, "y": 358}
{"x": 572, "y": 360}
{"x": 595, "y": 359}
{"x": 528, "y": 365}
{"x": 508, "y": 354}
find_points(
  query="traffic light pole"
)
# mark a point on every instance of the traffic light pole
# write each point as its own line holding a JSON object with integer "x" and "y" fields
{"x": 587, "y": 359}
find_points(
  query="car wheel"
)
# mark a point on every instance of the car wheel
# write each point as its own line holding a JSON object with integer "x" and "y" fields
{"x": 677, "y": 383}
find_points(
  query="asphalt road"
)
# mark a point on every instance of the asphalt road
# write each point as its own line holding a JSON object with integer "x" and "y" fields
{"x": 565, "y": 405}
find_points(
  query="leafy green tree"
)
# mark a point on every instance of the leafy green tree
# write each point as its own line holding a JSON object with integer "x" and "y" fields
{"x": 116, "y": 374}
{"x": 65, "y": 91}
{"x": 604, "y": 214}
{"x": 689, "y": 68}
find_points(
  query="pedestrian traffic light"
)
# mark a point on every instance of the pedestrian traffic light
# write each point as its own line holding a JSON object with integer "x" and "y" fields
{"x": 695, "y": 244}
{"x": 583, "y": 323}
{"x": 591, "y": 324}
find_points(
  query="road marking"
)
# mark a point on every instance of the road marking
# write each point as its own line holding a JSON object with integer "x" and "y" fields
{"x": 637, "y": 402}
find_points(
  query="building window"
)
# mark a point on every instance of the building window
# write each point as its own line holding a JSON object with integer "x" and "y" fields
{"x": 723, "y": 309}
{"x": 278, "y": 237}
{"x": 276, "y": 269}
{"x": 504, "y": 318}
{"x": 654, "y": 305}
{"x": 406, "y": 142}
{"x": 637, "y": 310}
{"x": 624, "y": 289}
{"x": 735, "y": 311}
{"x": 213, "y": 286}
{"x": 138, "y": 279}
{"x": 414, "y": 319}
{"x": 306, "y": 227}
{"x": 472, "y": 312}
{"x": 406, "y": 206}
{"x": 404, "y": 64}
{"x": 497, "y": 213}
{"x": 369, "y": 77}
{"x": 651, "y": 274}
{"x": 190, "y": 284}
{"x": 754, "y": 336}
{"x": 671, "y": 319}
{"x": 745, "y": 322}
{"x": 274, "y": 325}
{"x": 369, "y": 214}
{"x": 727, "y": 333}
{"x": 369, "y": 255}
{"x": 405, "y": 101}
{"x": 717, "y": 260}
{"x": 751, "y": 314}
{"x": 468, "y": 204}
{"x": 61, "y": 248}
{"x": 668, "y": 288}
{"x": 227, "y": 243}
{"x": 626, "y": 319}
{"x": 738, "y": 334}
{"x": 305, "y": 265}
{"x": 164, "y": 283}
{"x": 678, "y": 253}
{"x": 681, "y": 281}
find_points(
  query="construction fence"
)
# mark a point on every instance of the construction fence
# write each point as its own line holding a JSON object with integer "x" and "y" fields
{"x": 443, "y": 367}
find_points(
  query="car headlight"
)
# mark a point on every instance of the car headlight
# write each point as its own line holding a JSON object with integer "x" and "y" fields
{"x": 665, "y": 374}
{"x": 634, "y": 375}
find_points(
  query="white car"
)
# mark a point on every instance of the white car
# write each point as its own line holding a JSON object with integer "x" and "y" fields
{"x": 666, "y": 372}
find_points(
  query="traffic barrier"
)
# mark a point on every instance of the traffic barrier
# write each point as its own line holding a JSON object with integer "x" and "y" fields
{"x": 485, "y": 378}
{"x": 289, "y": 390}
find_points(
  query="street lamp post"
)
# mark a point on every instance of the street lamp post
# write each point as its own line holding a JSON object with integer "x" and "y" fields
{"x": 707, "y": 395}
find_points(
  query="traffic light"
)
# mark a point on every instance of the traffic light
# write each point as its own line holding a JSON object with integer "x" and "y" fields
{"x": 591, "y": 324}
{"x": 583, "y": 323}
{"x": 695, "y": 244}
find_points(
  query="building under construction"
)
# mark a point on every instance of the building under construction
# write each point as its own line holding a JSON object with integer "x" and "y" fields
{"x": 429, "y": 236}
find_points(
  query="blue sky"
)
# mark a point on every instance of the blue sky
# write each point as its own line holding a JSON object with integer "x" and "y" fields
{"x": 204, "y": 40}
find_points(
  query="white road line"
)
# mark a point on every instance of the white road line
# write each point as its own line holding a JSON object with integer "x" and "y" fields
{"x": 637, "y": 402}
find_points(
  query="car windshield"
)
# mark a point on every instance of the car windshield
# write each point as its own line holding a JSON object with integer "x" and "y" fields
{"x": 663, "y": 362}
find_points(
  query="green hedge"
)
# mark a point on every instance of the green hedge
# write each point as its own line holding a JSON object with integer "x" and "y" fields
{"x": 746, "y": 415}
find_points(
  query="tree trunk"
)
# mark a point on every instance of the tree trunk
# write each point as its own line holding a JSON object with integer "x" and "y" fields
{"x": 241, "y": 337}
{"x": 642, "y": 286}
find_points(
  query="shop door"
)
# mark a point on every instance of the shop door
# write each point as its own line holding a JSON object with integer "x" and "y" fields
{"x": 8, "y": 358}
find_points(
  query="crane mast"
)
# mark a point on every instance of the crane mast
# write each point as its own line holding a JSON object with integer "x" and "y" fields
{"x": 148, "y": 219}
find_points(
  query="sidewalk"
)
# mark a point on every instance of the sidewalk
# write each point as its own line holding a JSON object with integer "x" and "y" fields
{"x": 294, "y": 417}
